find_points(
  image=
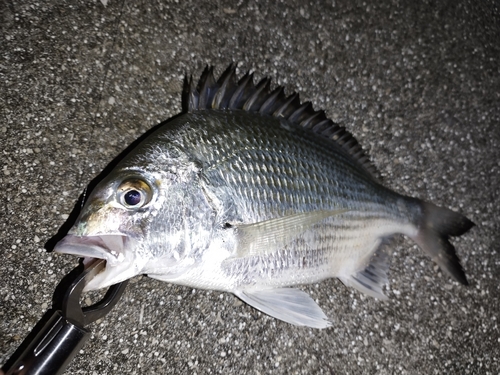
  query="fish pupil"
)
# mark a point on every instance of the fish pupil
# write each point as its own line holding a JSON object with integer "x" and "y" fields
{"x": 132, "y": 197}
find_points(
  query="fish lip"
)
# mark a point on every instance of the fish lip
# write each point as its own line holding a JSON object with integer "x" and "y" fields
{"x": 109, "y": 247}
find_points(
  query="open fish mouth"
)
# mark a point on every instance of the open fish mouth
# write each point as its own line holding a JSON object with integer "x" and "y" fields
{"x": 114, "y": 248}
{"x": 109, "y": 247}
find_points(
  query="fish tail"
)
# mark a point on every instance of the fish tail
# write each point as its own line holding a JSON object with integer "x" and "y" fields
{"x": 436, "y": 226}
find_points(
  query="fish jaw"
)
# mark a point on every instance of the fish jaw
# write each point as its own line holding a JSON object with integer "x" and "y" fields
{"x": 116, "y": 249}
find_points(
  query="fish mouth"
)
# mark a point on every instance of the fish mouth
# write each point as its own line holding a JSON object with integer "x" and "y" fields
{"x": 115, "y": 249}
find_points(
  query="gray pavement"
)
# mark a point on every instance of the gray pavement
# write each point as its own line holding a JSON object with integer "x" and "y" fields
{"x": 416, "y": 82}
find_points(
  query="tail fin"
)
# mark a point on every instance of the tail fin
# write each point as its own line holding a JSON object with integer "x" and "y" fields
{"x": 436, "y": 226}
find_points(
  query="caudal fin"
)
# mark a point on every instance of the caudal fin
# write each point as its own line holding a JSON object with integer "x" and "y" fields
{"x": 436, "y": 227}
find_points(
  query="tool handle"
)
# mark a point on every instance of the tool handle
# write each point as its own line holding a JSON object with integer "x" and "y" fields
{"x": 53, "y": 348}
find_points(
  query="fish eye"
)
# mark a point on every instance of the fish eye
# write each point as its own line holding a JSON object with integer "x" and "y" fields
{"x": 134, "y": 193}
{"x": 132, "y": 197}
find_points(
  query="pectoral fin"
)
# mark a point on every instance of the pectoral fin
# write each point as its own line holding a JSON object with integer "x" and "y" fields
{"x": 268, "y": 236}
{"x": 290, "y": 305}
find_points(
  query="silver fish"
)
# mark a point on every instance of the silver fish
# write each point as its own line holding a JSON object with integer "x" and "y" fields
{"x": 251, "y": 192}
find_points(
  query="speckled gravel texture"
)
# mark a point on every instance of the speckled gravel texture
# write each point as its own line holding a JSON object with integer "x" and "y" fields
{"x": 417, "y": 82}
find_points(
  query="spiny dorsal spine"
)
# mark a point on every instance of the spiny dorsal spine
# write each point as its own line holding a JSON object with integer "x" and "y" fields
{"x": 229, "y": 94}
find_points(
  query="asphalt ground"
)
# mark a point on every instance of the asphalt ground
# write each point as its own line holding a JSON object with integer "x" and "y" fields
{"x": 417, "y": 83}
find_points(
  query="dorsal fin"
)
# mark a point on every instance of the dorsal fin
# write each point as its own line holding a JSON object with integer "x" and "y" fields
{"x": 228, "y": 93}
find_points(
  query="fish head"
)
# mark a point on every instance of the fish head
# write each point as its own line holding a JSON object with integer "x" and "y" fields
{"x": 150, "y": 215}
{"x": 114, "y": 225}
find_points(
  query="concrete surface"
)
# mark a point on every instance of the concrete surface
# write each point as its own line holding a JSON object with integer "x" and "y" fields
{"x": 416, "y": 82}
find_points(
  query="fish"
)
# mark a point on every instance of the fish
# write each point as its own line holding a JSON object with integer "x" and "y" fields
{"x": 252, "y": 192}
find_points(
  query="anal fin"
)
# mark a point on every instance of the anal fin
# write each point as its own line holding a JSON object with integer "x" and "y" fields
{"x": 288, "y": 304}
{"x": 371, "y": 280}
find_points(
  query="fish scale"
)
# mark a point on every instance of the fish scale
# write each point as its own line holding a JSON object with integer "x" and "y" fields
{"x": 253, "y": 192}
{"x": 247, "y": 184}
{"x": 241, "y": 171}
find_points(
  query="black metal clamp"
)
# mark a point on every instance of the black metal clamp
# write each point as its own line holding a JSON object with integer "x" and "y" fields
{"x": 58, "y": 340}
